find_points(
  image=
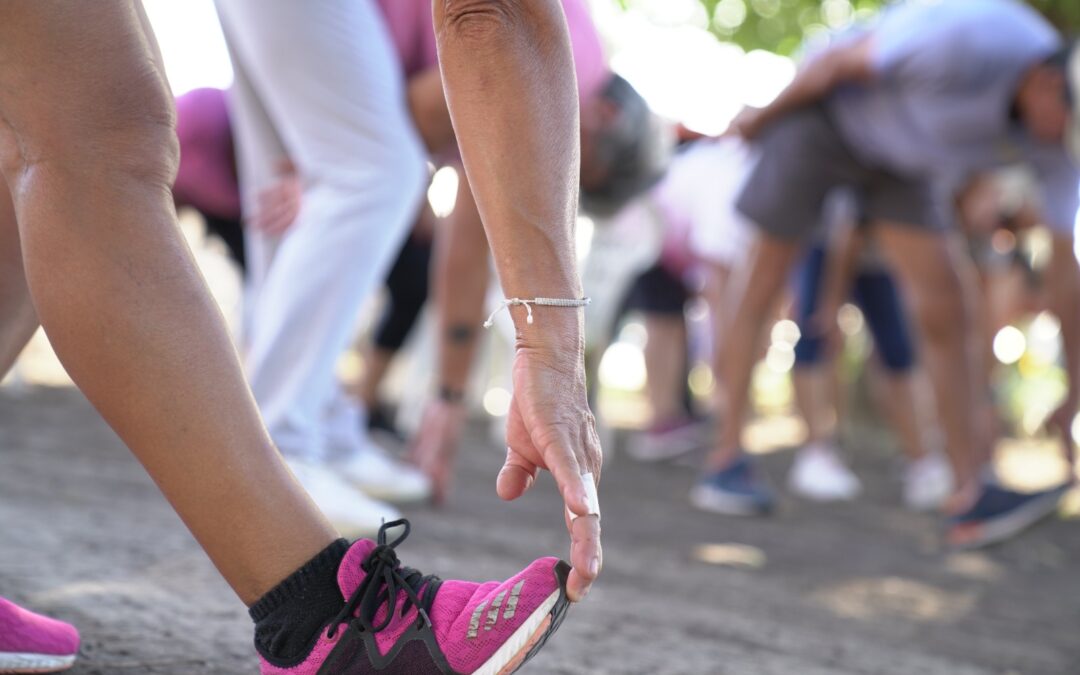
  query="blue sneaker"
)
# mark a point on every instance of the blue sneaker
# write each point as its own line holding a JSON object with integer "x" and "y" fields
{"x": 734, "y": 491}
{"x": 999, "y": 514}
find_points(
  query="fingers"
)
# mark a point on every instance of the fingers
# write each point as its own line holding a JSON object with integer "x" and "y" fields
{"x": 586, "y": 556}
{"x": 516, "y": 477}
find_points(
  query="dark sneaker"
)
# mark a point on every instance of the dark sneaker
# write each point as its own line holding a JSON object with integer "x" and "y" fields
{"x": 397, "y": 620}
{"x": 735, "y": 491}
{"x": 999, "y": 514}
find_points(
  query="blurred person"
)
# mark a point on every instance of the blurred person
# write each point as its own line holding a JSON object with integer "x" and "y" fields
{"x": 90, "y": 243}
{"x": 31, "y": 643}
{"x": 927, "y": 96}
{"x": 847, "y": 265}
{"x": 344, "y": 143}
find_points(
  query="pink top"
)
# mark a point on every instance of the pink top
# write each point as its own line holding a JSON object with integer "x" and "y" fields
{"x": 411, "y": 27}
{"x": 206, "y": 179}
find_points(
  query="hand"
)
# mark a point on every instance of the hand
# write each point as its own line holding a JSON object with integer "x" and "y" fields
{"x": 278, "y": 205}
{"x": 435, "y": 448}
{"x": 748, "y": 124}
{"x": 1059, "y": 424}
{"x": 551, "y": 427}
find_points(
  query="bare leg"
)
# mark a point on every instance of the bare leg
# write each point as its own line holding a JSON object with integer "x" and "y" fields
{"x": 814, "y": 392}
{"x": 18, "y": 320}
{"x": 900, "y": 403}
{"x": 931, "y": 270}
{"x": 753, "y": 292}
{"x": 665, "y": 363}
{"x": 89, "y": 152}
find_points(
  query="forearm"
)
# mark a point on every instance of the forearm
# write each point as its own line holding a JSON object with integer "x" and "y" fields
{"x": 460, "y": 284}
{"x": 511, "y": 90}
{"x": 820, "y": 76}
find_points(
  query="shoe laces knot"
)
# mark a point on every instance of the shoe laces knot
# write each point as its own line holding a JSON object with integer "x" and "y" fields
{"x": 384, "y": 577}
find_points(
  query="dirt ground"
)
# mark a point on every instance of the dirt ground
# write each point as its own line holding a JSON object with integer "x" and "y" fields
{"x": 815, "y": 590}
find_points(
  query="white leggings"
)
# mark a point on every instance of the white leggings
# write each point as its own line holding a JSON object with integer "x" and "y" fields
{"x": 317, "y": 81}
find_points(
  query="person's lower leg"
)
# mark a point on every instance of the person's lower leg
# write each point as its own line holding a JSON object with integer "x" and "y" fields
{"x": 751, "y": 295}
{"x": 117, "y": 290}
{"x": 665, "y": 365}
{"x": 902, "y": 410}
{"x": 813, "y": 398}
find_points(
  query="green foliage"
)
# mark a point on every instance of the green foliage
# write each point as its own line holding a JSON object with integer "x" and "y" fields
{"x": 781, "y": 25}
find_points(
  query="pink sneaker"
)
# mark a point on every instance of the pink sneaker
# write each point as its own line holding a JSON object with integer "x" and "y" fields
{"x": 31, "y": 643}
{"x": 396, "y": 620}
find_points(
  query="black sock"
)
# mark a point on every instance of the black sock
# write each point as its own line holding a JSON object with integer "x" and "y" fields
{"x": 289, "y": 617}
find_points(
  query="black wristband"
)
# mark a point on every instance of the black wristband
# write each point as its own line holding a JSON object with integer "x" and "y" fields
{"x": 448, "y": 395}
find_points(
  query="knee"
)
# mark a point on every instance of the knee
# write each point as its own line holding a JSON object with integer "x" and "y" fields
{"x": 125, "y": 126}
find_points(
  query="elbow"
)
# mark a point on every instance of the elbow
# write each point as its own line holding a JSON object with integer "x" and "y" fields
{"x": 479, "y": 20}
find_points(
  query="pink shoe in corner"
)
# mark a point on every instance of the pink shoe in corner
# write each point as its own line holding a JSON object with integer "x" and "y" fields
{"x": 31, "y": 643}
{"x": 397, "y": 620}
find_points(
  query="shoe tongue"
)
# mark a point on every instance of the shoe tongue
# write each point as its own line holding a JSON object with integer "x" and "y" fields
{"x": 350, "y": 573}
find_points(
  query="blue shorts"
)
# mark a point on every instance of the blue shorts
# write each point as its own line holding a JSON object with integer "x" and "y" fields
{"x": 875, "y": 294}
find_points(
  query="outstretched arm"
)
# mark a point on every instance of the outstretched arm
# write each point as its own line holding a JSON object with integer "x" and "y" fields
{"x": 820, "y": 76}
{"x": 510, "y": 86}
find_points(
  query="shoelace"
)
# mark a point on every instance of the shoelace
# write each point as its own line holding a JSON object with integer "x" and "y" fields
{"x": 384, "y": 577}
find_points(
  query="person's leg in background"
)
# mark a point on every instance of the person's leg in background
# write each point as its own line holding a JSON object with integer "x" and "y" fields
{"x": 936, "y": 281}
{"x": 927, "y": 477}
{"x": 817, "y": 472}
{"x": 661, "y": 298}
{"x": 407, "y": 292}
{"x": 337, "y": 102}
{"x": 89, "y": 152}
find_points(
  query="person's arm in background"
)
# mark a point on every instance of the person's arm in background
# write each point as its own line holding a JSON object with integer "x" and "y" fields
{"x": 509, "y": 79}
{"x": 842, "y": 252}
{"x": 818, "y": 77}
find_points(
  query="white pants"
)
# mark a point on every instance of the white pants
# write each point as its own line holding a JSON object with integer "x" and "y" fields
{"x": 317, "y": 81}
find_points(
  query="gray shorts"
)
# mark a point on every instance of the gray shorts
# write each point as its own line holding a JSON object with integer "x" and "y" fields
{"x": 803, "y": 159}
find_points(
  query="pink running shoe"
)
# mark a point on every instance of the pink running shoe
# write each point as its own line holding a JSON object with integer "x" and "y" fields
{"x": 31, "y": 643}
{"x": 397, "y": 620}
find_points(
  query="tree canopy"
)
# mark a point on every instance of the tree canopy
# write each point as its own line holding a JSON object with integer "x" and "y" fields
{"x": 781, "y": 25}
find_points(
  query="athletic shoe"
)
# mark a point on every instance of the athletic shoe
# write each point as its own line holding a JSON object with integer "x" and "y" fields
{"x": 397, "y": 620}
{"x": 349, "y": 509}
{"x": 735, "y": 491}
{"x": 818, "y": 474}
{"x": 667, "y": 440}
{"x": 31, "y": 643}
{"x": 380, "y": 421}
{"x": 928, "y": 482}
{"x": 382, "y": 477}
{"x": 999, "y": 514}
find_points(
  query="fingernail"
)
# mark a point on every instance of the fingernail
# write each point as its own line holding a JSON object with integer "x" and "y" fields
{"x": 594, "y": 567}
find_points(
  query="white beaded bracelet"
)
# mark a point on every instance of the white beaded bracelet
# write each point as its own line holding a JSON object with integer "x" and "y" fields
{"x": 542, "y": 302}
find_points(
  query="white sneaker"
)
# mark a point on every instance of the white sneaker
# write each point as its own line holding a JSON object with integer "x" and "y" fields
{"x": 928, "y": 482}
{"x": 820, "y": 475}
{"x": 381, "y": 476}
{"x": 347, "y": 508}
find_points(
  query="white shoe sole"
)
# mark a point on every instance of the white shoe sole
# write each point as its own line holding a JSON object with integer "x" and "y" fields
{"x": 522, "y": 639}
{"x": 34, "y": 663}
